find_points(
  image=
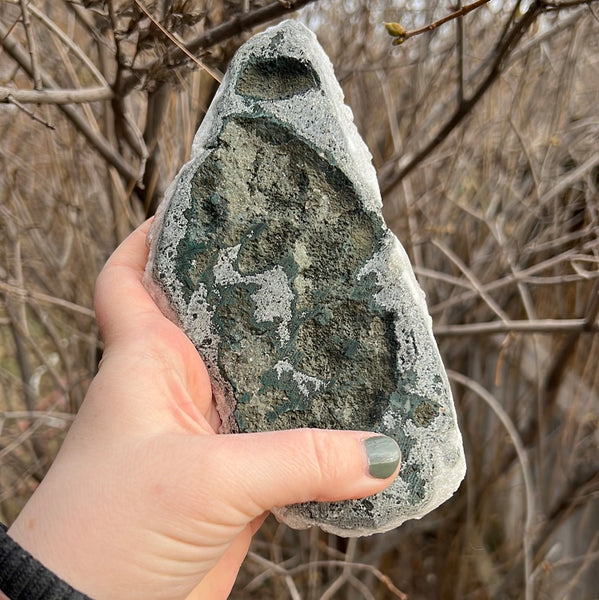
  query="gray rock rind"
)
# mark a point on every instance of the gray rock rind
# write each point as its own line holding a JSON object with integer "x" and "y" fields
{"x": 271, "y": 253}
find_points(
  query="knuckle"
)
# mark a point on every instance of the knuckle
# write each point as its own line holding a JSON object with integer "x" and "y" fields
{"x": 324, "y": 457}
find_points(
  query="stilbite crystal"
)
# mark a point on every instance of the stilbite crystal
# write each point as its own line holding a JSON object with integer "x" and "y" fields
{"x": 271, "y": 253}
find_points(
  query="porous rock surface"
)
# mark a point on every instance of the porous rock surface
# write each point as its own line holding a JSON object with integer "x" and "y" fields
{"x": 271, "y": 253}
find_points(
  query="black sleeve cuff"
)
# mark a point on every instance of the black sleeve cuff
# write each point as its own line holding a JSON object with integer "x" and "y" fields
{"x": 22, "y": 577}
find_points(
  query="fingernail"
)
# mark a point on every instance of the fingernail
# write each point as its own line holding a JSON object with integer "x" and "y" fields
{"x": 383, "y": 456}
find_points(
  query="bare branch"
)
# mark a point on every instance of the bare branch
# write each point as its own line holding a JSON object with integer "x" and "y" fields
{"x": 243, "y": 22}
{"x": 50, "y": 417}
{"x": 384, "y": 579}
{"x": 53, "y": 96}
{"x": 238, "y": 24}
{"x": 517, "y": 326}
{"x": 391, "y": 175}
{"x": 529, "y": 274}
{"x": 566, "y": 182}
{"x": 474, "y": 282}
{"x": 29, "y": 113}
{"x": 69, "y": 43}
{"x": 95, "y": 139}
{"x": 555, "y": 6}
{"x": 459, "y": 32}
{"x": 41, "y": 297}
{"x": 37, "y": 80}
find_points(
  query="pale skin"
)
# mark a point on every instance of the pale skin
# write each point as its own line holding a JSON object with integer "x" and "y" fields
{"x": 145, "y": 500}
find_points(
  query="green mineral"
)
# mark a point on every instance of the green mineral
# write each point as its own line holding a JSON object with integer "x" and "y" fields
{"x": 271, "y": 253}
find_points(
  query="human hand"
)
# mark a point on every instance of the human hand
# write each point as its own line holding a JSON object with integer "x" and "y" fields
{"x": 144, "y": 499}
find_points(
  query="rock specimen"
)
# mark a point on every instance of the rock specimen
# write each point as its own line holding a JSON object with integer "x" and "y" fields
{"x": 271, "y": 253}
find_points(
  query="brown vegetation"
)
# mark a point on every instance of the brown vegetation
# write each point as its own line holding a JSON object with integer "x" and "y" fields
{"x": 485, "y": 136}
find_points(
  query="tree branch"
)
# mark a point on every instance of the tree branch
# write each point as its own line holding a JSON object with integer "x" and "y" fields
{"x": 37, "y": 80}
{"x": 517, "y": 326}
{"x": 53, "y": 96}
{"x": 238, "y": 24}
{"x": 554, "y": 6}
{"x": 215, "y": 73}
{"x": 95, "y": 139}
{"x": 392, "y": 174}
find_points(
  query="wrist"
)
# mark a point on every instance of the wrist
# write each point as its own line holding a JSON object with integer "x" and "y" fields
{"x": 23, "y": 577}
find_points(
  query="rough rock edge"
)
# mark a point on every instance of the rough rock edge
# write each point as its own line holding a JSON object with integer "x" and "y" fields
{"x": 355, "y": 161}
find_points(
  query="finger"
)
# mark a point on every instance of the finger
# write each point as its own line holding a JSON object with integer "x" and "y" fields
{"x": 133, "y": 326}
{"x": 121, "y": 302}
{"x": 259, "y": 471}
{"x": 133, "y": 251}
{"x": 125, "y": 311}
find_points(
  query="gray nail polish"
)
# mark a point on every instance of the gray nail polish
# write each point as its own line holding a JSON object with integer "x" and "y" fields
{"x": 383, "y": 456}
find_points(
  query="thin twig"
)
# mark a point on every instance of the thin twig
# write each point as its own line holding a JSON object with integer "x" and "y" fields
{"x": 474, "y": 281}
{"x": 553, "y": 6}
{"x": 384, "y": 579}
{"x": 11, "y": 100}
{"x": 361, "y": 587}
{"x": 98, "y": 142}
{"x": 280, "y": 570}
{"x": 271, "y": 568}
{"x": 37, "y": 414}
{"x": 460, "y": 55}
{"x": 124, "y": 126}
{"x": 20, "y": 439}
{"x": 565, "y": 257}
{"x": 567, "y": 181}
{"x": 587, "y": 560}
{"x": 345, "y": 574}
{"x": 215, "y": 73}
{"x": 41, "y": 297}
{"x": 401, "y": 35}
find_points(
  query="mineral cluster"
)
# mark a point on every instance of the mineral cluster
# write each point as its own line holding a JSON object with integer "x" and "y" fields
{"x": 271, "y": 253}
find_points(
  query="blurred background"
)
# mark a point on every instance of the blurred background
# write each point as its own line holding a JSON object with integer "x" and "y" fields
{"x": 484, "y": 131}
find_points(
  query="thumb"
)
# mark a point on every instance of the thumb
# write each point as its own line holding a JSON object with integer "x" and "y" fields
{"x": 259, "y": 471}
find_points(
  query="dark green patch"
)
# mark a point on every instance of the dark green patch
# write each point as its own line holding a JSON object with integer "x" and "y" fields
{"x": 416, "y": 483}
{"x": 413, "y": 406}
{"x": 276, "y": 78}
{"x": 287, "y": 206}
{"x": 260, "y": 197}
